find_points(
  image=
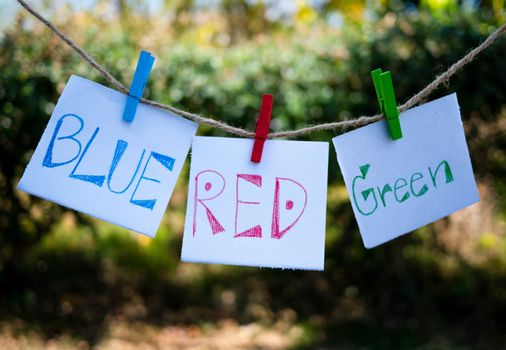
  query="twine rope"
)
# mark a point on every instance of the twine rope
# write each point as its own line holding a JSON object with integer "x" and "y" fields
{"x": 343, "y": 125}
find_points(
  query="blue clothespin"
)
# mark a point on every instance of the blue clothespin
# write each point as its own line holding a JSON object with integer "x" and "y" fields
{"x": 386, "y": 99}
{"x": 139, "y": 81}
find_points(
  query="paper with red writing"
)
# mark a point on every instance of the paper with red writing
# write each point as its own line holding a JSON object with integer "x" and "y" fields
{"x": 398, "y": 186}
{"x": 90, "y": 160}
{"x": 268, "y": 214}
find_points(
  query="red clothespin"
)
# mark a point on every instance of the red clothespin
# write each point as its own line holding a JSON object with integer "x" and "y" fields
{"x": 262, "y": 128}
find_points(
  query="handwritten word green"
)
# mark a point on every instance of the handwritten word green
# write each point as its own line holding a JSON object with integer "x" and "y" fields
{"x": 400, "y": 191}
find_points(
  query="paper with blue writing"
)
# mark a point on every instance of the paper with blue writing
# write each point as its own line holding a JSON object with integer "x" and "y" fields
{"x": 91, "y": 160}
{"x": 268, "y": 214}
{"x": 398, "y": 186}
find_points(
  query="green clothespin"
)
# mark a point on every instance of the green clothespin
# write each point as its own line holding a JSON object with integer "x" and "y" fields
{"x": 386, "y": 99}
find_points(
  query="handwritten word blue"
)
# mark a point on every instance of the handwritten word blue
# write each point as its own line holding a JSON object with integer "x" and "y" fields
{"x": 60, "y": 141}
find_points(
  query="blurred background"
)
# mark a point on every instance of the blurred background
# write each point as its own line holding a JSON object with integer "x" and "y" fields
{"x": 68, "y": 281}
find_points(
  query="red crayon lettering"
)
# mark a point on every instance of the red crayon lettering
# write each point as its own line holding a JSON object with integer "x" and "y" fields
{"x": 256, "y": 180}
{"x": 289, "y": 204}
{"x": 208, "y": 176}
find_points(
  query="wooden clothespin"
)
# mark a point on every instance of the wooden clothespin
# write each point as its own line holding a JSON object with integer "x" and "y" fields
{"x": 139, "y": 81}
{"x": 386, "y": 99}
{"x": 262, "y": 128}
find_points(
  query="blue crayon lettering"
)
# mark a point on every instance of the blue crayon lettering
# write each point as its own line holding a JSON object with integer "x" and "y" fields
{"x": 48, "y": 158}
{"x": 168, "y": 163}
{"x": 121, "y": 147}
{"x": 94, "y": 179}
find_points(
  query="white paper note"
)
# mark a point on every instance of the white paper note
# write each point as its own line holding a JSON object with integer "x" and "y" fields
{"x": 398, "y": 186}
{"x": 90, "y": 160}
{"x": 268, "y": 214}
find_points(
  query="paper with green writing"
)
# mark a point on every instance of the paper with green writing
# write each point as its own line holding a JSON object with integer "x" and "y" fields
{"x": 398, "y": 186}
